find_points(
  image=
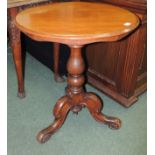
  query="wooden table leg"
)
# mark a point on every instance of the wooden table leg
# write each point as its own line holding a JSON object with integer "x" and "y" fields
{"x": 56, "y": 52}
{"x": 76, "y": 98}
{"x": 14, "y": 35}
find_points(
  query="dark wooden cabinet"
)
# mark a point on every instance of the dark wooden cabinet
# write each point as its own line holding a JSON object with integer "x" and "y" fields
{"x": 119, "y": 69}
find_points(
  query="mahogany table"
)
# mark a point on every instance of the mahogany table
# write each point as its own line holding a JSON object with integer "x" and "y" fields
{"x": 76, "y": 24}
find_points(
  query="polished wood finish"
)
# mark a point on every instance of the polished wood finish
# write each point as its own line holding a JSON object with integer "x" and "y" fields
{"x": 134, "y": 5}
{"x": 76, "y": 99}
{"x": 108, "y": 75}
{"x": 14, "y": 7}
{"x": 121, "y": 76}
{"x": 56, "y": 49}
{"x": 16, "y": 48}
{"x": 76, "y": 35}
{"x": 119, "y": 68}
{"x": 70, "y": 31}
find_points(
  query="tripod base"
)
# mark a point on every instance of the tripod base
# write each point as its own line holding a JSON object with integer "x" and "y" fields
{"x": 75, "y": 103}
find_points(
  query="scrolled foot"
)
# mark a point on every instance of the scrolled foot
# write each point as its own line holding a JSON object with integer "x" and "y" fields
{"x": 60, "y": 112}
{"x": 21, "y": 95}
{"x": 94, "y": 105}
{"x": 43, "y": 137}
{"x": 114, "y": 123}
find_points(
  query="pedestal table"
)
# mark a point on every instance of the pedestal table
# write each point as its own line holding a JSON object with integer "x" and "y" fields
{"x": 76, "y": 24}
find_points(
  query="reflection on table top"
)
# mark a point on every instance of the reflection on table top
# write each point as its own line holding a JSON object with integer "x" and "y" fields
{"x": 77, "y": 22}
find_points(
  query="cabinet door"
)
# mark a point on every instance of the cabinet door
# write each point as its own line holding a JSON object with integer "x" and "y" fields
{"x": 102, "y": 60}
{"x": 119, "y": 68}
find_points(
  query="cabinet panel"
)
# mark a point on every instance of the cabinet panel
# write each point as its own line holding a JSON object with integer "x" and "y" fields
{"x": 119, "y": 68}
{"x": 102, "y": 59}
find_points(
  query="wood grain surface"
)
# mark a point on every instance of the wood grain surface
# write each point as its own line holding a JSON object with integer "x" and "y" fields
{"x": 15, "y": 3}
{"x": 76, "y": 22}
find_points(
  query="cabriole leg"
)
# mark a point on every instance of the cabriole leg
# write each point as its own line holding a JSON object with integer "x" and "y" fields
{"x": 15, "y": 40}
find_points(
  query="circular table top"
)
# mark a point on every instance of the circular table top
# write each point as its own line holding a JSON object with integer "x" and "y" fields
{"x": 76, "y": 23}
